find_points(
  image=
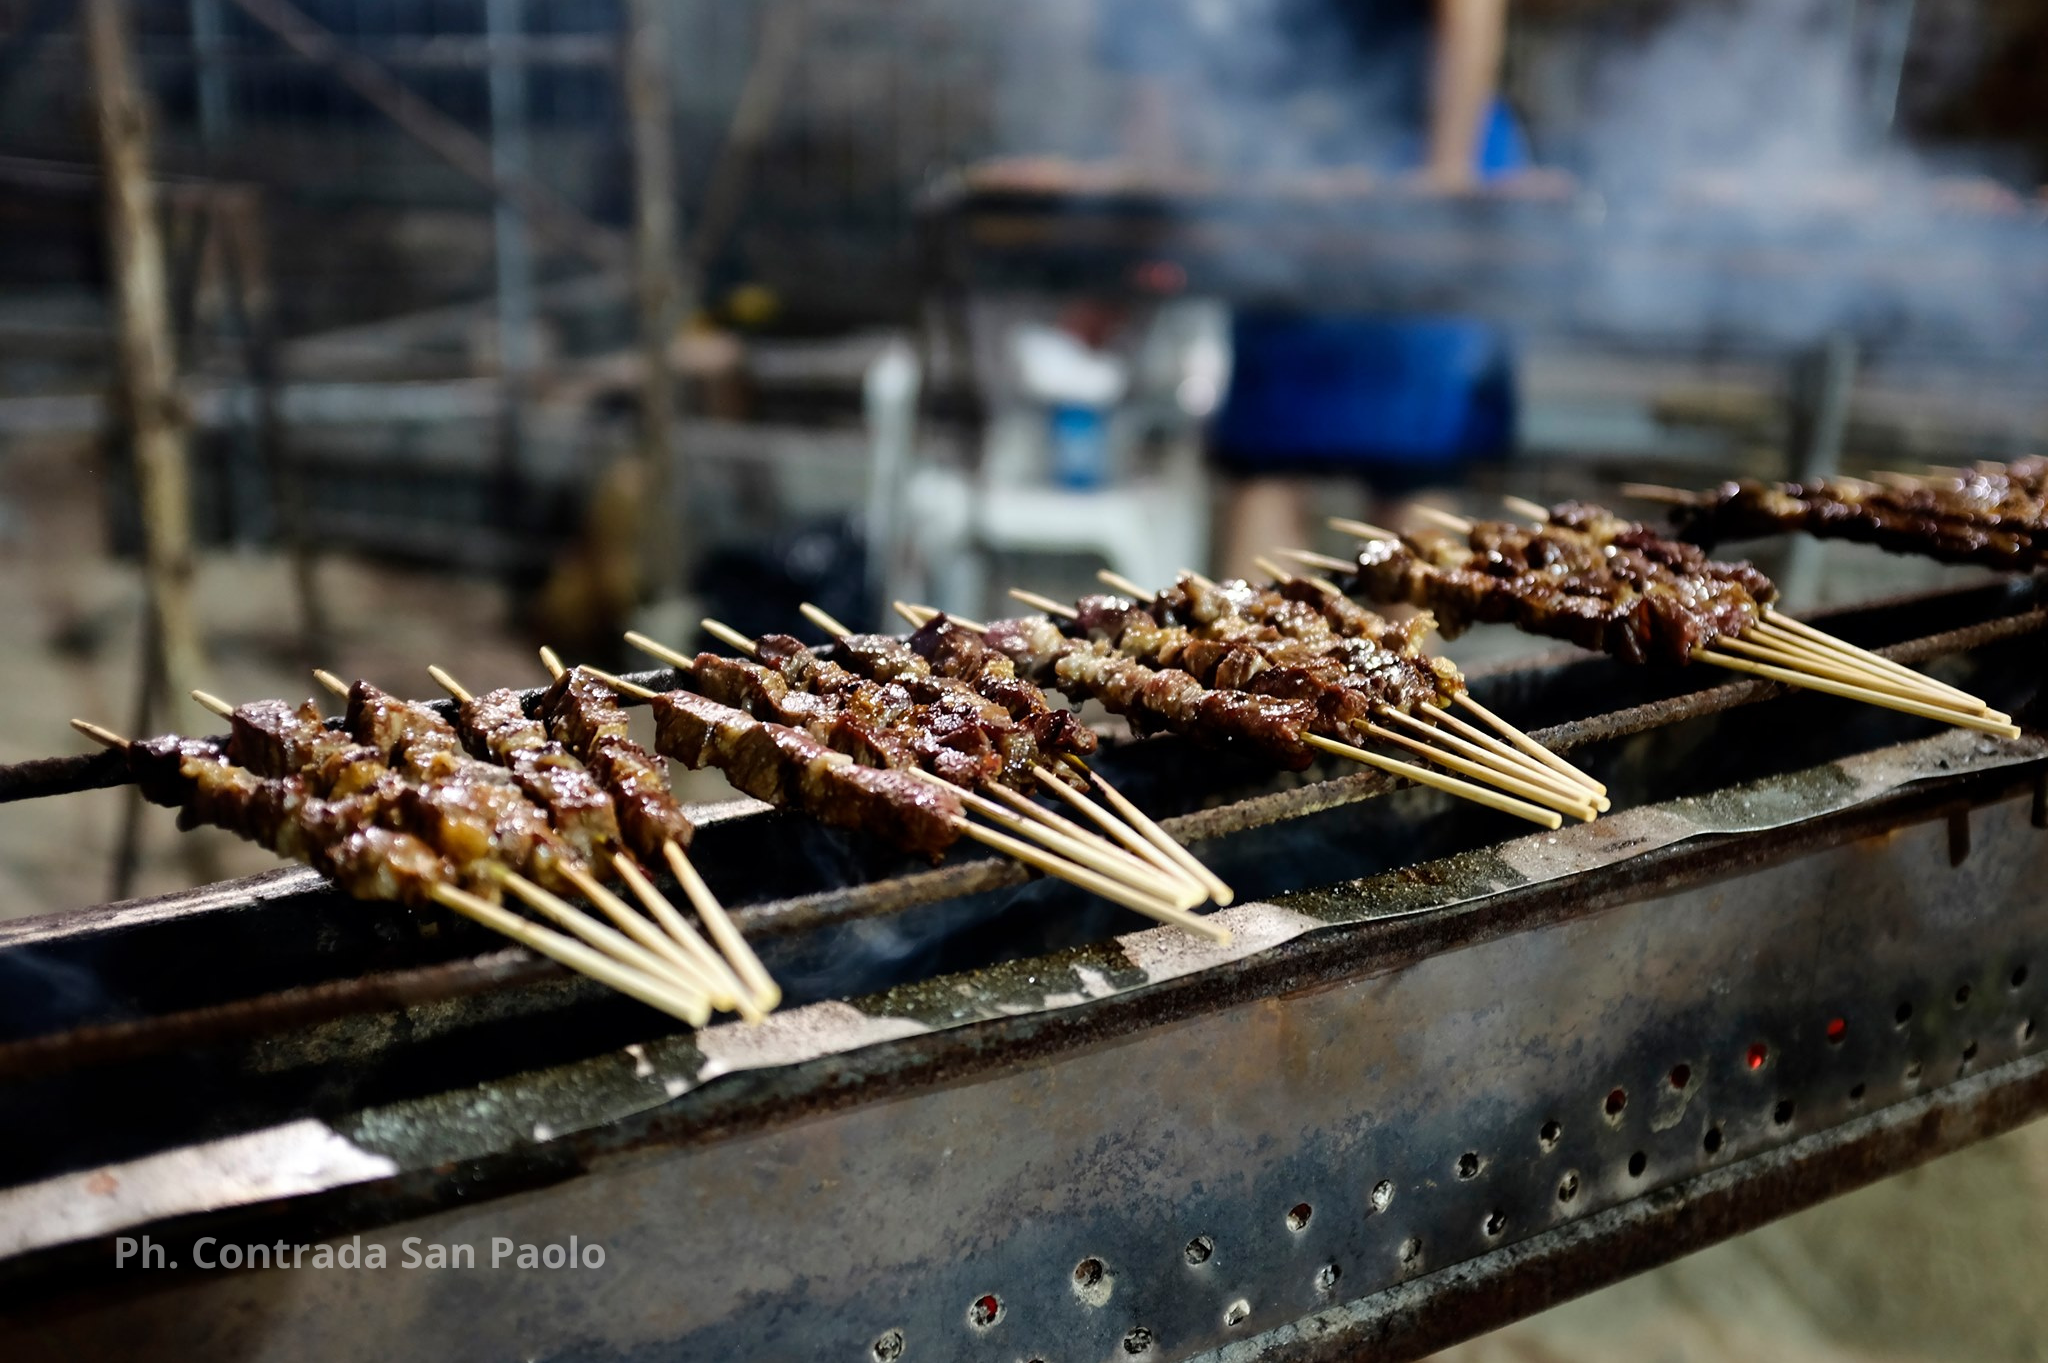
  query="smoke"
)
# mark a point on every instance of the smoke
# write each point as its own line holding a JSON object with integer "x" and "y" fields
{"x": 1753, "y": 189}
{"x": 1741, "y": 180}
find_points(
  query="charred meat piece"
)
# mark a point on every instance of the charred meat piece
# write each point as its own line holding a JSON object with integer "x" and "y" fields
{"x": 1585, "y": 576}
{"x": 340, "y": 838}
{"x": 785, "y": 767}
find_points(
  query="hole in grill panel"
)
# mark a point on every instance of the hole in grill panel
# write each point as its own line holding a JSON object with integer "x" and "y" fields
{"x": 1326, "y": 1277}
{"x": 1093, "y": 1282}
{"x": 1681, "y": 1075}
{"x": 1548, "y": 1136}
{"x": 1298, "y": 1215}
{"x": 1962, "y": 995}
{"x": 1856, "y": 1094}
{"x": 2019, "y": 976}
{"x": 1237, "y": 1312}
{"x": 1637, "y": 1163}
{"x": 1468, "y": 1165}
{"x": 1838, "y": 1028}
{"x": 1496, "y": 1222}
{"x": 888, "y": 1346}
{"x": 1568, "y": 1187}
{"x": 1913, "y": 1072}
{"x": 1138, "y": 1341}
{"x": 1758, "y": 1056}
{"x": 1969, "y": 1052}
{"x": 1903, "y": 1014}
{"x": 1382, "y": 1195}
{"x": 1617, "y": 1100}
{"x": 1712, "y": 1143}
{"x": 985, "y": 1311}
{"x": 2027, "y": 1030}
{"x": 1782, "y": 1113}
{"x": 1411, "y": 1251}
{"x": 1199, "y": 1249}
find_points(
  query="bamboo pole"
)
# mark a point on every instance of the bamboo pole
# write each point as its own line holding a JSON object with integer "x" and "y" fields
{"x": 146, "y": 361}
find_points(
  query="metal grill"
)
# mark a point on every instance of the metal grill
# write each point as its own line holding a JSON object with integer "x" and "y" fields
{"x": 1445, "y": 1077}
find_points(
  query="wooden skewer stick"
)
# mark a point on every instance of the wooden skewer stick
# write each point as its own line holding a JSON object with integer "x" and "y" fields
{"x": 1443, "y": 518}
{"x": 729, "y": 636}
{"x": 705, "y": 973}
{"x": 1885, "y": 699}
{"x": 683, "y": 949}
{"x": 1450, "y": 785}
{"x": 208, "y": 701}
{"x": 619, "y": 684}
{"x": 1841, "y": 669}
{"x": 606, "y": 939}
{"x": 1089, "y": 880}
{"x": 330, "y": 681}
{"x": 1822, "y": 639}
{"x": 767, "y": 993}
{"x": 450, "y": 685}
{"x": 106, "y": 738}
{"x": 1827, "y": 647}
{"x": 1529, "y": 745}
{"x": 1364, "y": 530}
{"x": 919, "y": 616}
{"x": 817, "y": 616}
{"x": 1043, "y": 603}
{"x": 1279, "y": 573}
{"x": 1515, "y": 758}
{"x": 1657, "y": 492}
{"x": 1522, "y": 506}
{"x": 1139, "y": 878}
{"x": 655, "y": 649}
{"x": 1539, "y": 795}
{"x": 1118, "y": 582}
{"x": 1154, "y": 834}
{"x": 573, "y": 954}
{"x": 1327, "y": 562}
{"x": 1142, "y": 860}
{"x": 1132, "y": 831}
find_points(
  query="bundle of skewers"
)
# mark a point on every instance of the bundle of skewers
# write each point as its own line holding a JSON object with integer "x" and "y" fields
{"x": 1992, "y": 515}
{"x": 1284, "y": 673}
{"x": 399, "y": 804}
{"x": 1579, "y": 573}
{"x": 907, "y": 742}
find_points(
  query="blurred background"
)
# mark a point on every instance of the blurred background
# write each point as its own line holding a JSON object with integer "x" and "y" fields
{"x": 374, "y": 333}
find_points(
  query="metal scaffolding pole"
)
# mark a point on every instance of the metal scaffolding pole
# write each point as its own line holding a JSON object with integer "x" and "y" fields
{"x": 505, "y": 23}
{"x": 657, "y": 287}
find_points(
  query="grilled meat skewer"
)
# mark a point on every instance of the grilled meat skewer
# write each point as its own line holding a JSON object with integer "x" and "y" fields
{"x": 1992, "y": 520}
{"x": 346, "y": 841}
{"x": 1588, "y": 577}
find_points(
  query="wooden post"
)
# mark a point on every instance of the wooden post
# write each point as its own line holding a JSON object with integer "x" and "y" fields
{"x": 664, "y": 540}
{"x": 147, "y": 368}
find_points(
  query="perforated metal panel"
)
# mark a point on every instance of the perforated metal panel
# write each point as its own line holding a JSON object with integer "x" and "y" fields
{"x": 1206, "y": 1183}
